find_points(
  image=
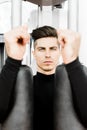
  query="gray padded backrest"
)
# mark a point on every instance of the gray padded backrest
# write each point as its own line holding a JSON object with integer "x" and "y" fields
{"x": 20, "y": 117}
{"x": 66, "y": 118}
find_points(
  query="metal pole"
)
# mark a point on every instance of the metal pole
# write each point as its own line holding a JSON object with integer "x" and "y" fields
{"x": 73, "y": 14}
{"x": 16, "y": 13}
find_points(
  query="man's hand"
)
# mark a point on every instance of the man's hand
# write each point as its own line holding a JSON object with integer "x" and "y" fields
{"x": 15, "y": 42}
{"x": 70, "y": 44}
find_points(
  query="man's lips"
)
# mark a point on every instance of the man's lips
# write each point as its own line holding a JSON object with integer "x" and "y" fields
{"x": 48, "y": 62}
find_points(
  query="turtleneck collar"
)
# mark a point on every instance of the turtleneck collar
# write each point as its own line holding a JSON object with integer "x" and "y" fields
{"x": 44, "y": 77}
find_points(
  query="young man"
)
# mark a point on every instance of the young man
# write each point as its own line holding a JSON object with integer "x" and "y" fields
{"x": 47, "y": 44}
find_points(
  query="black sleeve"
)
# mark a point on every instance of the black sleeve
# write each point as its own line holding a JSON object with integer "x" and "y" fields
{"x": 78, "y": 80}
{"x": 7, "y": 81}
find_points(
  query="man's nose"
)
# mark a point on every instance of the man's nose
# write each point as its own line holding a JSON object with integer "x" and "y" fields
{"x": 47, "y": 53}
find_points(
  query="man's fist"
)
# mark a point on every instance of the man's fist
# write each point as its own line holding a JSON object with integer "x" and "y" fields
{"x": 15, "y": 42}
{"x": 70, "y": 44}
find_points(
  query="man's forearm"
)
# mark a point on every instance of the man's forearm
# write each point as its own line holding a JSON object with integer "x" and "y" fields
{"x": 7, "y": 81}
{"x": 78, "y": 80}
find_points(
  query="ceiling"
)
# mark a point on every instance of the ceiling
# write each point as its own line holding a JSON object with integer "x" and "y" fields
{"x": 46, "y": 2}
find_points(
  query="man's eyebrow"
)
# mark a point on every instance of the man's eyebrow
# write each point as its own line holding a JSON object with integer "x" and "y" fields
{"x": 40, "y": 47}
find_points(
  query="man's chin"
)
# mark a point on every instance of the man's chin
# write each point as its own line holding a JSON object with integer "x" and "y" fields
{"x": 47, "y": 68}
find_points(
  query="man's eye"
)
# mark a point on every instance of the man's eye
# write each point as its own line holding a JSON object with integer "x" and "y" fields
{"x": 54, "y": 48}
{"x": 41, "y": 49}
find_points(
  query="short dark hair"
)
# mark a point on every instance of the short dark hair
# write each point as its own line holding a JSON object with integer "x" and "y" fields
{"x": 44, "y": 31}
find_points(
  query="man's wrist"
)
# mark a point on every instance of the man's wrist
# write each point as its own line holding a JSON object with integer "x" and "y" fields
{"x": 74, "y": 64}
{"x": 13, "y": 64}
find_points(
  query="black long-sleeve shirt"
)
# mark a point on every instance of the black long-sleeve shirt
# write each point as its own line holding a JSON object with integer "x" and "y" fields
{"x": 42, "y": 93}
{"x": 43, "y": 102}
{"x": 78, "y": 79}
{"x": 7, "y": 82}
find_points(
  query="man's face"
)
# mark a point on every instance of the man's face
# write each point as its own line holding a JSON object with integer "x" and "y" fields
{"x": 46, "y": 54}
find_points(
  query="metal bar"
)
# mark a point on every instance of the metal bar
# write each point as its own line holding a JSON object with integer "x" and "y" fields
{"x": 16, "y": 13}
{"x": 73, "y": 13}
